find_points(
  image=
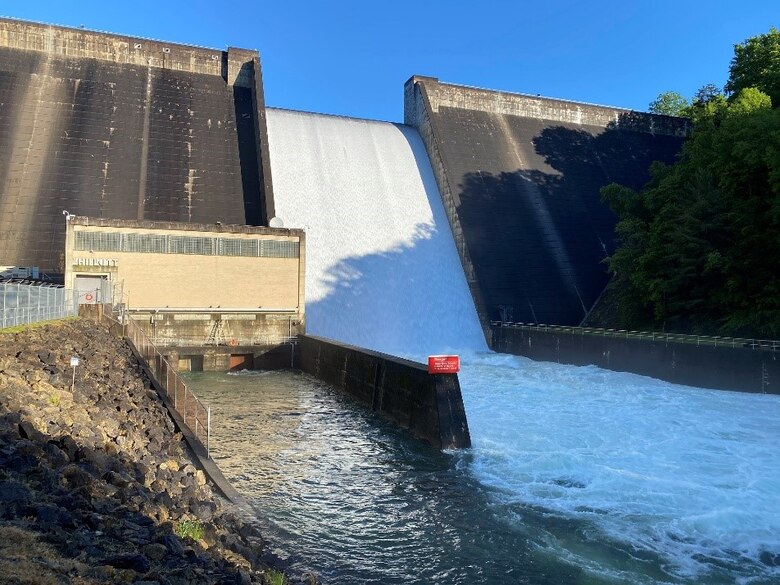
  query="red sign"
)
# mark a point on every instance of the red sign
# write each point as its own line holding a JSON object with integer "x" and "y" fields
{"x": 443, "y": 364}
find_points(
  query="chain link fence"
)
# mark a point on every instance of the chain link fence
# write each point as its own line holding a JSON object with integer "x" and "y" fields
{"x": 25, "y": 303}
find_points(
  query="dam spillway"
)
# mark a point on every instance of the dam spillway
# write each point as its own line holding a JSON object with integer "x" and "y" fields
{"x": 382, "y": 271}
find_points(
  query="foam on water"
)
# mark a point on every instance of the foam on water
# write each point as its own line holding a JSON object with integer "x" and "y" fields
{"x": 636, "y": 480}
{"x": 382, "y": 270}
{"x": 690, "y": 477}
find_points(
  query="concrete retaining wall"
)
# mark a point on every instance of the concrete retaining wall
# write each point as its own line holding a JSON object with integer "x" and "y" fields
{"x": 401, "y": 391}
{"x": 744, "y": 369}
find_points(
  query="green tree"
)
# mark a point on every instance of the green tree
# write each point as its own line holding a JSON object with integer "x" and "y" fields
{"x": 706, "y": 93}
{"x": 756, "y": 63}
{"x": 669, "y": 103}
{"x": 699, "y": 244}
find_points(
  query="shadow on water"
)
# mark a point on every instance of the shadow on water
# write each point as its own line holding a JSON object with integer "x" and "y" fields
{"x": 547, "y": 266}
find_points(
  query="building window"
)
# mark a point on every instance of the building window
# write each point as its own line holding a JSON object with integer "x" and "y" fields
{"x": 190, "y": 245}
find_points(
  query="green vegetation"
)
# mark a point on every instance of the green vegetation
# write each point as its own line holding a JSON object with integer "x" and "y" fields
{"x": 191, "y": 529}
{"x": 55, "y": 399}
{"x": 699, "y": 245}
{"x": 274, "y": 577}
{"x": 36, "y": 325}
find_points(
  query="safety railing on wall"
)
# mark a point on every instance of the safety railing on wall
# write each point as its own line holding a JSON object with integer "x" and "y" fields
{"x": 25, "y": 303}
{"x": 762, "y": 344}
{"x": 195, "y": 414}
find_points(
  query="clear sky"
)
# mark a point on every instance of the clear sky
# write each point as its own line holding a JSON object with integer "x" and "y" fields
{"x": 352, "y": 57}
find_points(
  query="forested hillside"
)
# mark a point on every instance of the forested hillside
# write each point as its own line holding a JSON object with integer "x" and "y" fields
{"x": 699, "y": 245}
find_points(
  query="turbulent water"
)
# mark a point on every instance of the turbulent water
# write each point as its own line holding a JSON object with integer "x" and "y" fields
{"x": 577, "y": 475}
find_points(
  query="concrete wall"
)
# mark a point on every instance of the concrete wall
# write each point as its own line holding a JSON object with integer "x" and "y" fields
{"x": 520, "y": 177}
{"x": 111, "y": 126}
{"x": 724, "y": 367}
{"x": 403, "y": 392}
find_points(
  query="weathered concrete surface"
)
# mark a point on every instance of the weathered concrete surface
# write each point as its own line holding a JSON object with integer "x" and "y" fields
{"x": 520, "y": 179}
{"x": 745, "y": 369}
{"x": 401, "y": 391}
{"x": 100, "y": 473}
{"x": 112, "y": 126}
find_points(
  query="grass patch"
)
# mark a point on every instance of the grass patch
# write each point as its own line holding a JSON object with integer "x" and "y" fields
{"x": 274, "y": 577}
{"x": 24, "y": 560}
{"x": 54, "y": 399}
{"x": 189, "y": 529}
{"x": 36, "y": 325}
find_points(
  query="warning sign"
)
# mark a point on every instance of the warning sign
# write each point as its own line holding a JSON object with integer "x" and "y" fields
{"x": 443, "y": 364}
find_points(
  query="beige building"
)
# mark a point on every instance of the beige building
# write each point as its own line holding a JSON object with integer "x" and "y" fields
{"x": 192, "y": 284}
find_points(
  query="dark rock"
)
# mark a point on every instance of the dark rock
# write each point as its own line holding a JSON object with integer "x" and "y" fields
{"x": 117, "y": 479}
{"x": 173, "y": 544}
{"x": 134, "y": 562}
{"x": 56, "y": 456}
{"x": 12, "y": 492}
{"x": 69, "y": 445}
{"x": 242, "y": 577}
{"x": 155, "y": 551}
{"x": 48, "y": 515}
{"x": 75, "y": 476}
{"x": 204, "y": 511}
{"x": 28, "y": 431}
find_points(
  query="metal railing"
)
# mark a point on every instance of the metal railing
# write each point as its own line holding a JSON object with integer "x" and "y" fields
{"x": 762, "y": 344}
{"x": 193, "y": 412}
{"x": 25, "y": 303}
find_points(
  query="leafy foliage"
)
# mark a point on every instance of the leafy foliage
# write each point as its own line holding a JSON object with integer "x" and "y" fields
{"x": 189, "y": 529}
{"x": 669, "y": 103}
{"x": 756, "y": 63}
{"x": 700, "y": 243}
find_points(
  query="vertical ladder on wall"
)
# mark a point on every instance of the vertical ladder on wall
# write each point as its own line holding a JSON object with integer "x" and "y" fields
{"x": 217, "y": 334}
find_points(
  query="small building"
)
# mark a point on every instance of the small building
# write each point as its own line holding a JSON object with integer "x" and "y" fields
{"x": 216, "y": 296}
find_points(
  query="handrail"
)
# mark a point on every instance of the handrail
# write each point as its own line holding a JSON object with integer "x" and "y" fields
{"x": 194, "y": 413}
{"x": 762, "y": 344}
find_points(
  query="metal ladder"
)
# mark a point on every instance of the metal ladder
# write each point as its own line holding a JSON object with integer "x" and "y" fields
{"x": 217, "y": 334}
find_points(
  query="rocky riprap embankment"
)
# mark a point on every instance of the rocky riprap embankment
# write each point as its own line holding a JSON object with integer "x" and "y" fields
{"x": 95, "y": 483}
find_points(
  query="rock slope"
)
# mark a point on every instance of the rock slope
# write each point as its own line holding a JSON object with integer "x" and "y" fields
{"x": 96, "y": 485}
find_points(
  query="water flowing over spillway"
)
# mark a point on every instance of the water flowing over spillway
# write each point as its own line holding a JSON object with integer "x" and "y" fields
{"x": 382, "y": 270}
{"x": 576, "y": 475}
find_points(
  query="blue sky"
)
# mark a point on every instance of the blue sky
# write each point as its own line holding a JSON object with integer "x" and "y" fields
{"x": 352, "y": 57}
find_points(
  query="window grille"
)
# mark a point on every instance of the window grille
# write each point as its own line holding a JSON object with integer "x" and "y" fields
{"x": 237, "y": 247}
{"x": 99, "y": 241}
{"x": 192, "y": 245}
{"x": 145, "y": 243}
{"x": 279, "y": 249}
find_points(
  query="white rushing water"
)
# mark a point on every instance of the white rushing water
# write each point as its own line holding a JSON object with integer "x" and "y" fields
{"x": 683, "y": 479}
{"x": 382, "y": 270}
{"x": 638, "y": 480}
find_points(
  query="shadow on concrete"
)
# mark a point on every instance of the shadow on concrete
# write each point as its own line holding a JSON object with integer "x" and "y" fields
{"x": 538, "y": 235}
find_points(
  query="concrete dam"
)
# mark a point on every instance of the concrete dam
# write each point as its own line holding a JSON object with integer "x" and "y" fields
{"x": 115, "y": 127}
{"x": 505, "y": 185}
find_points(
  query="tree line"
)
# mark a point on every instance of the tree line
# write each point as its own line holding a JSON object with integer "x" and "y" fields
{"x": 699, "y": 246}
